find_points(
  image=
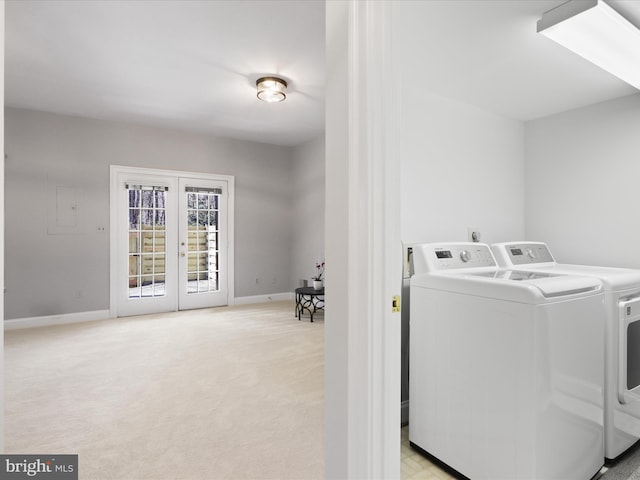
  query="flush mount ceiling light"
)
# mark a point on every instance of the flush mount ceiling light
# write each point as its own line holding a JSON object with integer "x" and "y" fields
{"x": 598, "y": 33}
{"x": 271, "y": 89}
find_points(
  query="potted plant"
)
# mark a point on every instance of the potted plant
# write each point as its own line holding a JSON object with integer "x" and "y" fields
{"x": 317, "y": 279}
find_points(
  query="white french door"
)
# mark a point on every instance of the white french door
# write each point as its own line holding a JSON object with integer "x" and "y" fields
{"x": 170, "y": 239}
{"x": 203, "y": 243}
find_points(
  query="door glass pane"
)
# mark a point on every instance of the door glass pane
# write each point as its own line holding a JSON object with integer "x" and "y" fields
{"x": 159, "y": 264}
{"x": 203, "y": 219}
{"x": 191, "y": 200}
{"x": 202, "y": 239}
{"x": 134, "y": 242}
{"x": 147, "y": 246}
{"x": 160, "y": 219}
{"x": 147, "y": 198}
{"x": 134, "y": 218}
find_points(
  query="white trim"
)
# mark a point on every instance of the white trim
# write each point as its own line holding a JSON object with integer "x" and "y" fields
{"x": 113, "y": 241}
{"x": 374, "y": 249}
{"x": 269, "y": 297}
{"x": 388, "y": 123}
{"x": 62, "y": 319}
{"x": 362, "y": 439}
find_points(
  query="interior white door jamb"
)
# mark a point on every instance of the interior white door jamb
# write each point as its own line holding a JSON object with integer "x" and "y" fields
{"x": 362, "y": 436}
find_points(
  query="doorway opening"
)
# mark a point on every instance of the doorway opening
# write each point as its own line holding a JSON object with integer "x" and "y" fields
{"x": 171, "y": 240}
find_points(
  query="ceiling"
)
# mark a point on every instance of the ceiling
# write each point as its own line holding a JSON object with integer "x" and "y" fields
{"x": 487, "y": 53}
{"x": 192, "y": 65}
{"x": 189, "y": 65}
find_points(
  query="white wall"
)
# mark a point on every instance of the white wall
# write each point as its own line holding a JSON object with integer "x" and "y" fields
{"x": 308, "y": 209}
{"x": 461, "y": 167}
{"x": 582, "y": 180}
{"x": 55, "y": 274}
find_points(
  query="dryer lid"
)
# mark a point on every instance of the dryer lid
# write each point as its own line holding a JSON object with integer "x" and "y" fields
{"x": 536, "y": 255}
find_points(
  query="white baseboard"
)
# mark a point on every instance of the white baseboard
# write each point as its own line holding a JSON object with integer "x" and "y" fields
{"x": 49, "y": 320}
{"x": 46, "y": 321}
{"x": 269, "y": 297}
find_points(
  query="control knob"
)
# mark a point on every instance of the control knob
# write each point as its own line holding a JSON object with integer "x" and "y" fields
{"x": 465, "y": 256}
{"x": 531, "y": 254}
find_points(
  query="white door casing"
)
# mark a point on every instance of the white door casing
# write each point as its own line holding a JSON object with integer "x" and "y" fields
{"x": 363, "y": 247}
{"x": 171, "y": 291}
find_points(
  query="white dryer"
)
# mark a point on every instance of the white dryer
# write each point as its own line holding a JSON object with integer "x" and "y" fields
{"x": 506, "y": 371}
{"x": 622, "y": 336}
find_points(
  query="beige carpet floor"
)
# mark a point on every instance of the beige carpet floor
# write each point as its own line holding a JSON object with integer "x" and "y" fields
{"x": 225, "y": 393}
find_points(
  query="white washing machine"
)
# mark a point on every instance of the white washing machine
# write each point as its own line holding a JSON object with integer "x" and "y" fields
{"x": 622, "y": 336}
{"x": 506, "y": 371}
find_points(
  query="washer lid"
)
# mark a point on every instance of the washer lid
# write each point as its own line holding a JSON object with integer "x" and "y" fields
{"x": 515, "y": 275}
{"x": 511, "y": 285}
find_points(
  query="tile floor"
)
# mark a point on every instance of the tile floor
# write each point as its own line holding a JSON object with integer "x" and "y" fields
{"x": 414, "y": 466}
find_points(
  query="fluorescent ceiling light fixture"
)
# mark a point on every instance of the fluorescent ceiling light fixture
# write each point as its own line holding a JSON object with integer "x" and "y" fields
{"x": 598, "y": 33}
{"x": 271, "y": 89}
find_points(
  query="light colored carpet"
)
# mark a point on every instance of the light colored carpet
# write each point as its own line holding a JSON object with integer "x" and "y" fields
{"x": 226, "y": 393}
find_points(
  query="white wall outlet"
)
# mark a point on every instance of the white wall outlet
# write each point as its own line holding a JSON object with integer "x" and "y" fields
{"x": 474, "y": 234}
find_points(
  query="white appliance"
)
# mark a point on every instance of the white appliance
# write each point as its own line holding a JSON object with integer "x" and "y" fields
{"x": 506, "y": 371}
{"x": 622, "y": 336}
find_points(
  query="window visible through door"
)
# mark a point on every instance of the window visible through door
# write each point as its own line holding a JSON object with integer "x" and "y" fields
{"x": 171, "y": 242}
{"x": 203, "y": 239}
{"x": 147, "y": 240}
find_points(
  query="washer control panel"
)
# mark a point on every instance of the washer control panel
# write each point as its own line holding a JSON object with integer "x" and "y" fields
{"x": 528, "y": 253}
{"x": 433, "y": 257}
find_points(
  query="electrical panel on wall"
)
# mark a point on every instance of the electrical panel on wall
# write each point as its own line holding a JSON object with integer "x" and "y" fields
{"x": 63, "y": 208}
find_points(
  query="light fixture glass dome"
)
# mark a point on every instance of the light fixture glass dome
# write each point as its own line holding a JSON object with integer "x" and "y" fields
{"x": 271, "y": 89}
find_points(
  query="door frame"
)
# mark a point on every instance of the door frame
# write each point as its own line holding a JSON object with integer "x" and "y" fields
{"x": 362, "y": 242}
{"x": 114, "y": 173}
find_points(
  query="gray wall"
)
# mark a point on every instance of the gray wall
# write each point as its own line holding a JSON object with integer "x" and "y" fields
{"x": 339, "y": 425}
{"x": 308, "y": 209}
{"x": 50, "y": 274}
{"x": 582, "y": 179}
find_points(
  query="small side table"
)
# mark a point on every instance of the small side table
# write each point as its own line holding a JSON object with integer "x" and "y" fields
{"x": 309, "y": 299}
